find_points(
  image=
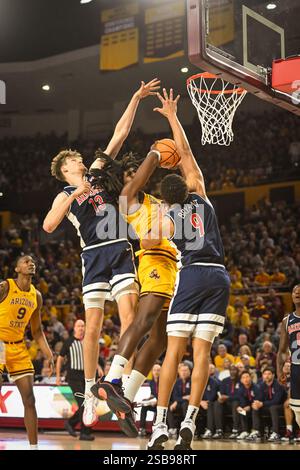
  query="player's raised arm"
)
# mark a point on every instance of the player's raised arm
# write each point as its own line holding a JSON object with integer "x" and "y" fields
{"x": 188, "y": 165}
{"x": 124, "y": 125}
{"x": 282, "y": 350}
{"x": 142, "y": 176}
{"x": 38, "y": 334}
{"x": 61, "y": 206}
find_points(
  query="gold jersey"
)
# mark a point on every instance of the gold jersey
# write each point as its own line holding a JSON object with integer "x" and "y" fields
{"x": 15, "y": 311}
{"x": 144, "y": 219}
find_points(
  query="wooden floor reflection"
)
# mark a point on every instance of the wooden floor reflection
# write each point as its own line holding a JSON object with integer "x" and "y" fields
{"x": 51, "y": 440}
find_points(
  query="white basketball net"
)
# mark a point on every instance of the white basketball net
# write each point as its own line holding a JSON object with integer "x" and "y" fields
{"x": 216, "y": 102}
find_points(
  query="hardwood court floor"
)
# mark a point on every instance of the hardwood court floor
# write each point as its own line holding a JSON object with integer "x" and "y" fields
{"x": 51, "y": 440}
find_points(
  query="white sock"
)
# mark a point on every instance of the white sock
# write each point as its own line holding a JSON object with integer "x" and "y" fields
{"x": 136, "y": 379}
{"x": 34, "y": 447}
{"x": 191, "y": 413}
{"x": 289, "y": 427}
{"x": 117, "y": 368}
{"x": 88, "y": 385}
{"x": 161, "y": 416}
{"x": 125, "y": 378}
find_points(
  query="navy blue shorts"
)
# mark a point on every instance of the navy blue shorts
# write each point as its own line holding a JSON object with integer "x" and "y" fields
{"x": 107, "y": 269}
{"x": 295, "y": 387}
{"x": 200, "y": 301}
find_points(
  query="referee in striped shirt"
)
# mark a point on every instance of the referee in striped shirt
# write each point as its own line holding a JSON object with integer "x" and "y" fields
{"x": 72, "y": 350}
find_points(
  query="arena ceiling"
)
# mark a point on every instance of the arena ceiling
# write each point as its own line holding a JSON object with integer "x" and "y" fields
{"x": 34, "y": 29}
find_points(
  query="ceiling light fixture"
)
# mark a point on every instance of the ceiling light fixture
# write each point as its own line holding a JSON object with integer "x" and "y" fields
{"x": 46, "y": 87}
{"x": 271, "y": 6}
{"x": 184, "y": 69}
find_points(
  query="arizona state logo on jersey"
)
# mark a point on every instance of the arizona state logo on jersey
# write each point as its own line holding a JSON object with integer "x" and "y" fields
{"x": 15, "y": 311}
{"x": 154, "y": 274}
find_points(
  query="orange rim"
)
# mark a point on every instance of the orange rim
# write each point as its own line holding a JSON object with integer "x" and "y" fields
{"x": 211, "y": 76}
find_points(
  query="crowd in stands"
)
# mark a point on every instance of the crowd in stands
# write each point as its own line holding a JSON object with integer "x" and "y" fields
{"x": 262, "y": 255}
{"x": 266, "y": 148}
{"x": 262, "y": 247}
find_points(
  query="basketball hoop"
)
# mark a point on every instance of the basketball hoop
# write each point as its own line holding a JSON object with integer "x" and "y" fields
{"x": 216, "y": 102}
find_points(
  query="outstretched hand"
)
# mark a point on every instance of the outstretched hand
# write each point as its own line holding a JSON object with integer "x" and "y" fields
{"x": 169, "y": 105}
{"x": 147, "y": 89}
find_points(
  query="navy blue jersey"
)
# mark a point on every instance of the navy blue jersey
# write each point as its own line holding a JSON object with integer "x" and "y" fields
{"x": 197, "y": 234}
{"x": 94, "y": 216}
{"x": 293, "y": 331}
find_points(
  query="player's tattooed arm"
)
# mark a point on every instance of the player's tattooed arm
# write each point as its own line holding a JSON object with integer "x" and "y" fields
{"x": 142, "y": 176}
{"x": 3, "y": 290}
{"x": 282, "y": 350}
{"x": 124, "y": 125}
{"x": 188, "y": 165}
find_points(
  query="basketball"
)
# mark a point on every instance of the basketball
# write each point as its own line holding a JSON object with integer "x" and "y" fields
{"x": 168, "y": 153}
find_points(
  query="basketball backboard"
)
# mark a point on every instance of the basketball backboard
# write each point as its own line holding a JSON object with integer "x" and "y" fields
{"x": 239, "y": 39}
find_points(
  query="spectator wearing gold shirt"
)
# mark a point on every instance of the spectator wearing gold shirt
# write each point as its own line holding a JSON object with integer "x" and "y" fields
{"x": 262, "y": 278}
{"x": 240, "y": 317}
{"x": 222, "y": 354}
{"x": 235, "y": 283}
{"x": 245, "y": 351}
{"x": 278, "y": 278}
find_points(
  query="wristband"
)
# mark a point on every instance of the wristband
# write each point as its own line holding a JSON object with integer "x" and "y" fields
{"x": 157, "y": 153}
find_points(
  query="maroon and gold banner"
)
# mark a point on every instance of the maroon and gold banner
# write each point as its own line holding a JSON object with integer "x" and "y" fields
{"x": 119, "y": 46}
{"x": 164, "y": 30}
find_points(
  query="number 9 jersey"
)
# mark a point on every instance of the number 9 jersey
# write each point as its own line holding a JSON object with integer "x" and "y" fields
{"x": 15, "y": 312}
{"x": 196, "y": 233}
